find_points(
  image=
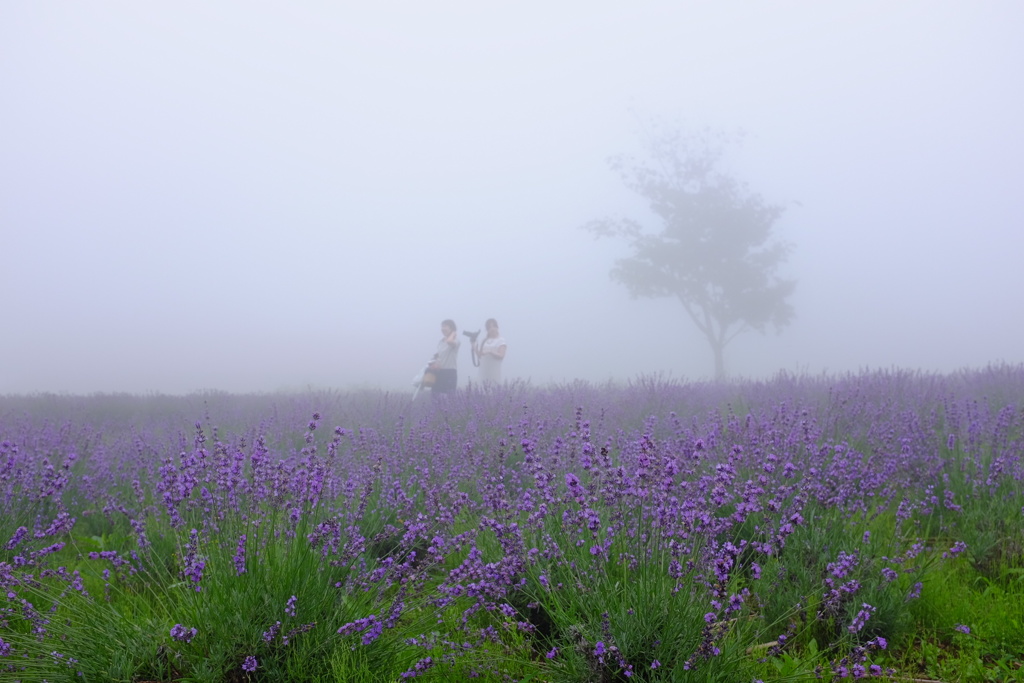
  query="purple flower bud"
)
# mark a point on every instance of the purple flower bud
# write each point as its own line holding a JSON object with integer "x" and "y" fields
{"x": 180, "y": 633}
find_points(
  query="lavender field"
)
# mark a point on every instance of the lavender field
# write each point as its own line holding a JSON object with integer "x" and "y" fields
{"x": 802, "y": 528}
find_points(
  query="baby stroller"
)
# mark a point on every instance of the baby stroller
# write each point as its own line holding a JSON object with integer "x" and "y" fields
{"x": 425, "y": 378}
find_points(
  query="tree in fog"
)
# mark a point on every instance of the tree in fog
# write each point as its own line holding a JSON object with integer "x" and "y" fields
{"x": 713, "y": 247}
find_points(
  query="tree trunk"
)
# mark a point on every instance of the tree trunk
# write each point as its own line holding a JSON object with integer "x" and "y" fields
{"x": 719, "y": 350}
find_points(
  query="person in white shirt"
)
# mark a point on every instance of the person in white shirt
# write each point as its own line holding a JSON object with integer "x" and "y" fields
{"x": 491, "y": 352}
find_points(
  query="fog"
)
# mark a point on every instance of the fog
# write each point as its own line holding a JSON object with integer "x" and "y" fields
{"x": 274, "y": 196}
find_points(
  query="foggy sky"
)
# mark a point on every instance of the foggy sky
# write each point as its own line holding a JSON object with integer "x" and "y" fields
{"x": 264, "y": 196}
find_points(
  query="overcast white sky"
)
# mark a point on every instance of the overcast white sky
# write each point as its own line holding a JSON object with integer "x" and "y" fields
{"x": 252, "y": 196}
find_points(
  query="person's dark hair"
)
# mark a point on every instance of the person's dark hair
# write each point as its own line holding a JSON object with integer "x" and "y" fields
{"x": 449, "y": 322}
{"x": 489, "y": 321}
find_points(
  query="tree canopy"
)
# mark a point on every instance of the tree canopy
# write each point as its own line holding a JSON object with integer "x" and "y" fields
{"x": 714, "y": 250}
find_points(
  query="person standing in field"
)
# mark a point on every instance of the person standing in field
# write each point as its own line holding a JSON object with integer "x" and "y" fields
{"x": 444, "y": 364}
{"x": 491, "y": 352}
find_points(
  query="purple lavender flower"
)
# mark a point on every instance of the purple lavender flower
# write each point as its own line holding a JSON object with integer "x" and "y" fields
{"x": 16, "y": 538}
{"x": 957, "y": 548}
{"x": 843, "y": 565}
{"x": 298, "y": 630}
{"x": 239, "y": 558}
{"x": 249, "y": 664}
{"x": 962, "y": 628}
{"x": 271, "y": 633}
{"x": 194, "y": 566}
{"x": 370, "y": 627}
{"x": 418, "y": 669}
{"x": 185, "y": 635}
{"x": 862, "y": 617}
{"x": 289, "y": 608}
{"x": 572, "y": 482}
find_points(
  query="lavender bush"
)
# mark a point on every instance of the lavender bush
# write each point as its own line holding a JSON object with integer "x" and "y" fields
{"x": 653, "y": 531}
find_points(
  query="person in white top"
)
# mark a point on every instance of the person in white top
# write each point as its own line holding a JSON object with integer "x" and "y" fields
{"x": 491, "y": 352}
